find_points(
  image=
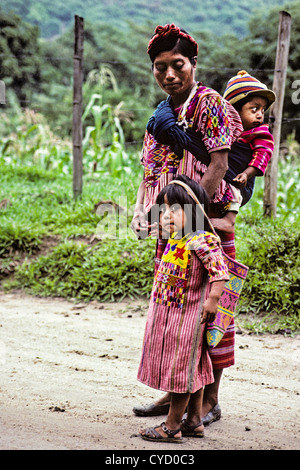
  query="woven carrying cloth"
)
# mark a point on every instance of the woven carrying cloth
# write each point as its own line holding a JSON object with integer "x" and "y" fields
{"x": 228, "y": 300}
{"x": 232, "y": 289}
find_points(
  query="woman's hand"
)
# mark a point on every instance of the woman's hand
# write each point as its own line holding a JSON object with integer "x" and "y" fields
{"x": 139, "y": 224}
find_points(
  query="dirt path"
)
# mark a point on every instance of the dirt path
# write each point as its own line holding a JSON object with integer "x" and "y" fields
{"x": 68, "y": 381}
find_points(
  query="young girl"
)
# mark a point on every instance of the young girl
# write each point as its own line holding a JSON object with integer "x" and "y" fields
{"x": 185, "y": 295}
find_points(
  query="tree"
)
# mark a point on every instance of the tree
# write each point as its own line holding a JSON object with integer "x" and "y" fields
{"x": 263, "y": 33}
{"x": 19, "y": 56}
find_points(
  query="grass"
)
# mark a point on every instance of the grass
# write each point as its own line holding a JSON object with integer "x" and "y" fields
{"x": 53, "y": 245}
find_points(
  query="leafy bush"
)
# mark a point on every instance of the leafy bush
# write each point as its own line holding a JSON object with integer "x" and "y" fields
{"x": 105, "y": 272}
{"x": 17, "y": 238}
{"x": 273, "y": 282}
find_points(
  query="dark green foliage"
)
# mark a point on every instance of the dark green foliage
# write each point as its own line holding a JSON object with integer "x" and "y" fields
{"x": 107, "y": 271}
{"x": 273, "y": 257}
{"x": 16, "y": 237}
{"x": 19, "y": 56}
{"x": 231, "y": 35}
{"x": 219, "y": 16}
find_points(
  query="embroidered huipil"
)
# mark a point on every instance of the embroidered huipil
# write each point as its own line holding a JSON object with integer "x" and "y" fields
{"x": 174, "y": 354}
{"x": 219, "y": 124}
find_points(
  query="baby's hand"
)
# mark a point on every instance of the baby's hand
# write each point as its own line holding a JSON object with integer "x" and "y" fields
{"x": 242, "y": 179}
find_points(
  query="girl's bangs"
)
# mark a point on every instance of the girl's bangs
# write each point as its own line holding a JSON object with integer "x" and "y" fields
{"x": 175, "y": 194}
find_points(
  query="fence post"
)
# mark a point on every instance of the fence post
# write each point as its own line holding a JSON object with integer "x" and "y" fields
{"x": 77, "y": 107}
{"x": 275, "y": 117}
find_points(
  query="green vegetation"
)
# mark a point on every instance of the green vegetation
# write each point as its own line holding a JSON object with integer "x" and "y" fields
{"x": 55, "y": 16}
{"x": 119, "y": 69}
{"x": 51, "y": 244}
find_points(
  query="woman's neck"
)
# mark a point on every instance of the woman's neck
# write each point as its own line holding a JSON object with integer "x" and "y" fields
{"x": 179, "y": 100}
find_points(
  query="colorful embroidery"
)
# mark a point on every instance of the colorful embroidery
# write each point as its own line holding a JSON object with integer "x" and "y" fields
{"x": 228, "y": 301}
{"x": 172, "y": 275}
{"x": 176, "y": 253}
{"x": 158, "y": 159}
{"x": 173, "y": 272}
{"x": 217, "y": 131}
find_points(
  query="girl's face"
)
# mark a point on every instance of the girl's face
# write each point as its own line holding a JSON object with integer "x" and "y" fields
{"x": 252, "y": 113}
{"x": 172, "y": 218}
{"x": 175, "y": 75}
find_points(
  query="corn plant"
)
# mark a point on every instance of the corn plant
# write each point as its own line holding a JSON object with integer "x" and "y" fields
{"x": 104, "y": 143}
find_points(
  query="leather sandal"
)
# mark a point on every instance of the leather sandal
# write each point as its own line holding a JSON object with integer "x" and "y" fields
{"x": 151, "y": 410}
{"x": 188, "y": 430}
{"x": 213, "y": 415}
{"x": 150, "y": 434}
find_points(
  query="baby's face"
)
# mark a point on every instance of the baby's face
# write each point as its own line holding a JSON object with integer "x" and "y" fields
{"x": 252, "y": 113}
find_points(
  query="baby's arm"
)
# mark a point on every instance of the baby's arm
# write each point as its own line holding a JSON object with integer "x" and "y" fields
{"x": 243, "y": 177}
{"x": 210, "y": 306}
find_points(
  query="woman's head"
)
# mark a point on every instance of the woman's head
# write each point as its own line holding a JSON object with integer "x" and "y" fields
{"x": 178, "y": 207}
{"x": 170, "y": 37}
{"x": 174, "y": 58}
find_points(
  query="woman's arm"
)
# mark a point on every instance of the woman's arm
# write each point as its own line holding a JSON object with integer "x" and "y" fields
{"x": 138, "y": 222}
{"x": 215, "y": 171}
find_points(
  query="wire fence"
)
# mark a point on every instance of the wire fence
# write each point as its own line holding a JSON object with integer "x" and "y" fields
{"x": 32, "y": 104}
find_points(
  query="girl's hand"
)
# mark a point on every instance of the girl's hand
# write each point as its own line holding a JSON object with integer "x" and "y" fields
{"x": 210, "y": 308}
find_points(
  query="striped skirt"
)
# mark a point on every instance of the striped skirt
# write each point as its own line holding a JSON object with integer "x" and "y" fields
{"x": 175, "y": 354}
{"x": 222, "y": 356}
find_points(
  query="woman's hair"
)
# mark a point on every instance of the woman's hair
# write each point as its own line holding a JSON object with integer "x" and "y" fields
{"x": 172, "y": 38}
{"x": 176, "y": 194}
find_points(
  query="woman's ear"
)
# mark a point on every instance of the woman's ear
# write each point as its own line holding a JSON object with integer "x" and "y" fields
{"x": 194, "y": 61}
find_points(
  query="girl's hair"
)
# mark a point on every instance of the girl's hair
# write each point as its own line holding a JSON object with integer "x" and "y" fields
{"x": 176, "y": 194}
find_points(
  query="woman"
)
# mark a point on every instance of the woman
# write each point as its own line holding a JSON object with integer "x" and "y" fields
{"x": 173, "y": 53}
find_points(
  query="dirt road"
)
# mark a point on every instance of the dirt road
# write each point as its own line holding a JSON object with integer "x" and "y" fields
{"x": 68, "y": 381}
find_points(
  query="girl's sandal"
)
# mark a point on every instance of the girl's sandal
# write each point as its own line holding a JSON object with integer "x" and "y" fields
{"x": 188, "y": 430}
{"x": 150, "y": 434}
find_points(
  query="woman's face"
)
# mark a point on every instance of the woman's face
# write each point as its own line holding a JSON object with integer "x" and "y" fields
{"x": 175, "y": 75}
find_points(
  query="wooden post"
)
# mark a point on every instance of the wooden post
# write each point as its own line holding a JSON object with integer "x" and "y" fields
{"x": 275, "y": 117}
{"x": 77, "y": 107}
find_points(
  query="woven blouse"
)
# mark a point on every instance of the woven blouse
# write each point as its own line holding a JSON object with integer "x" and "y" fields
{"x": 261, "y": 143}
{"x": 207, "y": 113}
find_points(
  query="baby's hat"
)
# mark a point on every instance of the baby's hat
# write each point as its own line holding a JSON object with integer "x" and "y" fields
{"x": 243, "y": 84}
